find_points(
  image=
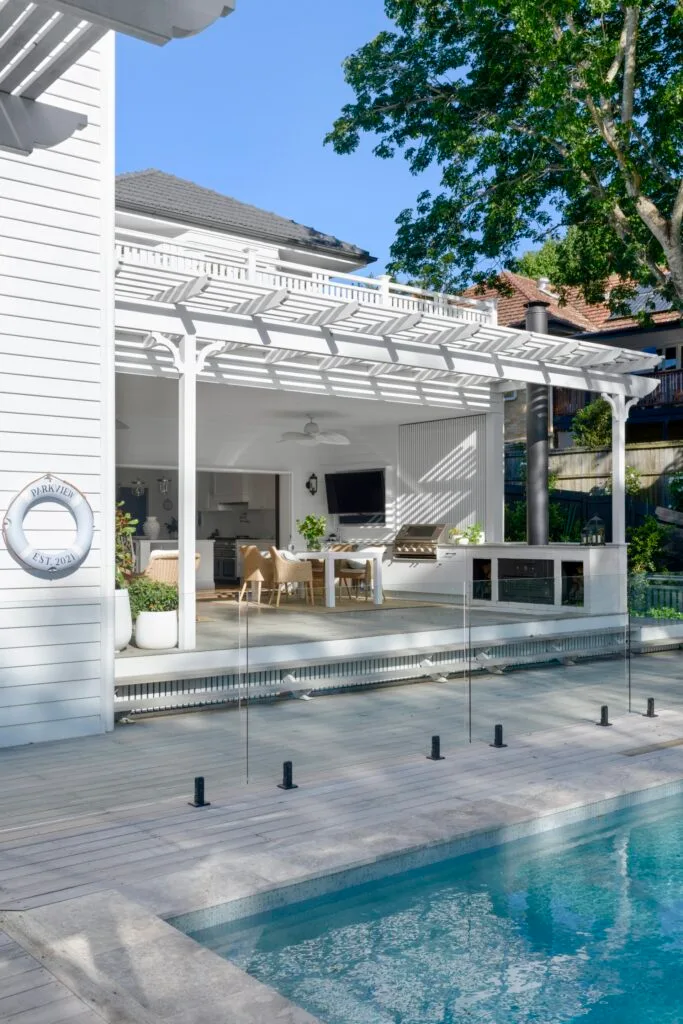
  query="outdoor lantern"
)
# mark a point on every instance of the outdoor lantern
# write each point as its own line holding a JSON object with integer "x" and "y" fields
{"x": 163, "y": 482}
{"x": 139, "y": 487}
{"x": 312, "y": 484}
{"x": 593, "y": 532}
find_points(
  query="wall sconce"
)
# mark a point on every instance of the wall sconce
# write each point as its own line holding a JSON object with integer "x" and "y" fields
{"x": 312, "y": 484}
{"x": 163, "y": 482}
{"x": 139, "y": 487}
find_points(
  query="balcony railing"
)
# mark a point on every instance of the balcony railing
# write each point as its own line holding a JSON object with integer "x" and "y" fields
{"x": 566, "y": 402}
{"x": 252, "y": 268}
{"x": 669, "y": 392}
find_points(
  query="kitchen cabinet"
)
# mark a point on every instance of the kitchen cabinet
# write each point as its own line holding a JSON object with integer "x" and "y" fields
{"x": 257, "y": 490}
{"x": 260, "y": 490}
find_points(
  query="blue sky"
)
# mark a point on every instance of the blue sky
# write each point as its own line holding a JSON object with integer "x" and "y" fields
{"x": 243, "y": 109}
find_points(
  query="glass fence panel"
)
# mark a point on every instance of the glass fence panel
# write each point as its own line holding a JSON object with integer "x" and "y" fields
{"x": 656, "y": 636}
{"x": 349, "y": 667}
{"x": 549, "y": 652}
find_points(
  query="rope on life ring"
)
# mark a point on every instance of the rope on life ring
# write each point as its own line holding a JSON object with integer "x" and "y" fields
{"x": 48, "y": 565}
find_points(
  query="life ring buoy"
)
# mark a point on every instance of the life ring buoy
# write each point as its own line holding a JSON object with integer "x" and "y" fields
{"x": 48, "y": 565}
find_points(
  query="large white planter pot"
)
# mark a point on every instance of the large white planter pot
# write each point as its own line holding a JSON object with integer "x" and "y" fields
{"x": 156, "y": 631}
{"x": 123, "y": 622}
{"x": 151, "y": 528}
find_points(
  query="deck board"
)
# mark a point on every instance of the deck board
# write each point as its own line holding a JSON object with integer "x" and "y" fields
{"x": 30, "y": 994}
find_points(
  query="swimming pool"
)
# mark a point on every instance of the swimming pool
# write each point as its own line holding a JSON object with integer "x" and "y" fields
{"x": 584, "y": 923}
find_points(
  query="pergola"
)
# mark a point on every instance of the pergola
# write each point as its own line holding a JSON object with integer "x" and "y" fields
{"x": 42, "y": 39}
{"x": 252, "y": 321}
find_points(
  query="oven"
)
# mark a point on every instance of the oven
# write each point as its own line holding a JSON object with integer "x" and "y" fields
{"x": 224, "y": 560}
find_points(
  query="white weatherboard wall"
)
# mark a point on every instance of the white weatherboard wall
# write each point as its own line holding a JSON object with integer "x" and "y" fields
{"x": 56, "y": 411}
{"x": 442, "y": 471}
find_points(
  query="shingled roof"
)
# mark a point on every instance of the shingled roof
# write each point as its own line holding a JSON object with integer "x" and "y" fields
{"x": 158, "y": 194}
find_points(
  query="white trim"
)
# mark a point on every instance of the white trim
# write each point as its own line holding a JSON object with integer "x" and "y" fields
{"x": 108, "y": 386}
{"x": 187, "y": 494}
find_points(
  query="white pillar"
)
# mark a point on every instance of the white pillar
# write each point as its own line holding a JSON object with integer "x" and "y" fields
{"x": 187, "y": 494}
{"x": 620, "y": 409}
{"x": 494, "y": 517}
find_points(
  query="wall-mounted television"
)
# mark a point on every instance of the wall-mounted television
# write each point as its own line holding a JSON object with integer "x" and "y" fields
{"x": 356, "y": 494}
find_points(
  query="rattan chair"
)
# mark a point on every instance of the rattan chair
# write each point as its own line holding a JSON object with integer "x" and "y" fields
{"x": 351, "y": 576}
{"x": 163, "y": 566}
{"x": 285, "y": 571}
{"x": 255, "y": 562}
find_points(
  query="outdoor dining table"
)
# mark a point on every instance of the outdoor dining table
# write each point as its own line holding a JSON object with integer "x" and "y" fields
{"x": 330, "y": 557}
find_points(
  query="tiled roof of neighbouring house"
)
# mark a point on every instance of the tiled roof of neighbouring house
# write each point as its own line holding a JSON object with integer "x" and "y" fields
{"x": 158, "y": 194}
{"x": 512, "y": 306}
{"x": 575, "y": 310}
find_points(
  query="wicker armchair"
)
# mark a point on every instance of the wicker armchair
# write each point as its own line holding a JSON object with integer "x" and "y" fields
{"x": 353, "y": 577}
{"x": 287, "y": 571}
{"x": 256, "y": 568}
{"x": 163, "y": 566}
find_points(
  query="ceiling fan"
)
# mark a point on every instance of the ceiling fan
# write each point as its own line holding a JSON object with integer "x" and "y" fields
{"x": 312, "y": 434}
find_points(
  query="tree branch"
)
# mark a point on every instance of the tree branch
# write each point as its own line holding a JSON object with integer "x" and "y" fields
{"x": 619, "y": 56}
{"x": 677, "y": 215}
{"x": 631, "y": 30}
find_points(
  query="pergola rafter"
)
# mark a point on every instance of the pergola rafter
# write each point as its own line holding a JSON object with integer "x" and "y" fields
{"x": 41, "y": 39}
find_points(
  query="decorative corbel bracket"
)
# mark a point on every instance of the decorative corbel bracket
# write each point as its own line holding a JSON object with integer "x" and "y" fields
{"x": 157, "y": 340}
{"x": 620, "y": 405}
{"x": 214, "y": 349}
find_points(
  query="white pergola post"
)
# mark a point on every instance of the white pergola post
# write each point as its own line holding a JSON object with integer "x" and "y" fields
{"x": 494, "y": 523}
{"x": 620, "y": 407}
{"x": 187, "y": 494}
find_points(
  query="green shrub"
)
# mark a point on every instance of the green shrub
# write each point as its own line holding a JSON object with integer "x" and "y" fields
{"x": 151, "y": 596}
{"x": 125, "y": 559}
{"x": 676, "y": 491}
{"x": 515, "y": 522}
{"x": 592, "y": 425}
{"x": 646, "y": 546}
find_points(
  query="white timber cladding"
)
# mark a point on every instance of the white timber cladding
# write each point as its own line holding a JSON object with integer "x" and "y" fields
{"x": 442, "y": 471}
{"x": 56, "y": 310}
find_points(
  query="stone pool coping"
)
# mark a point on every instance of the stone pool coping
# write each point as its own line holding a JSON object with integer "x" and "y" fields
{"x": 113, "y": 946}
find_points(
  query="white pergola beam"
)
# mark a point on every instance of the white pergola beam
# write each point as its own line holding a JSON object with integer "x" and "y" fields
{"x": 398, "y": 324}
{"x": 26, "y": 125}
{"x": 133, "y": 316}
{"x": 155, "y": 21}
{"x": 261, "y": 303}
{"x": 184, "y": 291}
{"x": 332, "y": 315}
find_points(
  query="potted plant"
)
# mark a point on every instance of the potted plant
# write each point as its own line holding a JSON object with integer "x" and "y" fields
{"x": 455, "y": 535}
{"x": 475, "y": 534}
{"x": 125, "y": 563}
{"x": 154, "y": 607}
{"x": 312, "y": 529}
{"x": 172, "y": 527}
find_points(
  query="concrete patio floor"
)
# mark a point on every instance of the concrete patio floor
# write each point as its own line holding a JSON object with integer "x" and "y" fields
{"x": 223, "y": 625}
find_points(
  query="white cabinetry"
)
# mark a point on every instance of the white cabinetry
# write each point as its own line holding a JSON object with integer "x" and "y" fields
{"x": 257, "y": 490}
{"x": 260, "y": 490}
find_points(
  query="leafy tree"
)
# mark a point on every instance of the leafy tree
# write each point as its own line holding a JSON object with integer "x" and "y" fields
{"x": 592, "y": 425}
{"x": 540, "y": 117}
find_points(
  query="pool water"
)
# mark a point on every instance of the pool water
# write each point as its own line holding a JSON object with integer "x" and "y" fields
{"x": 582, "y": 924}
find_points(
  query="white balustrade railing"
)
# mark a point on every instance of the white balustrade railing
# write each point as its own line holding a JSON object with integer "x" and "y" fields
{"x": 262, "y": 271}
